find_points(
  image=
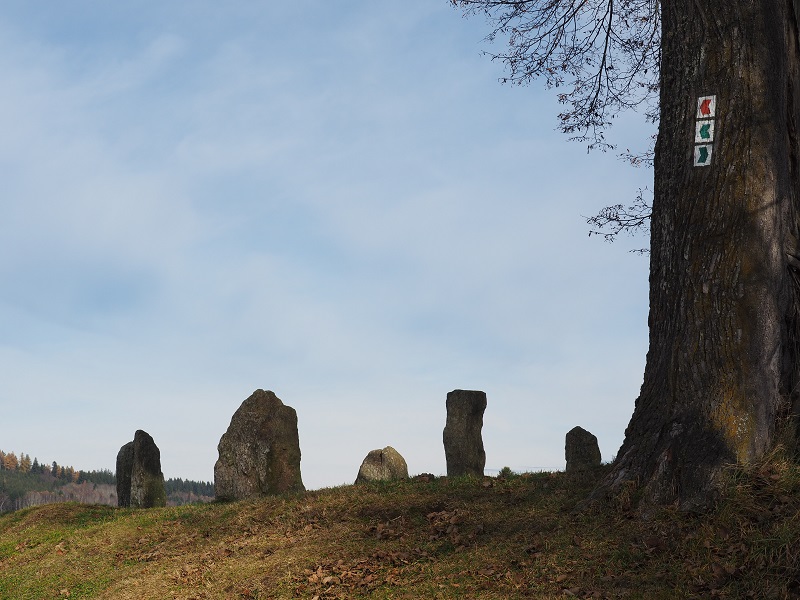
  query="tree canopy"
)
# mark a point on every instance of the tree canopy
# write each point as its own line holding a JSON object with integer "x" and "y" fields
{"x": 602, "y": 55}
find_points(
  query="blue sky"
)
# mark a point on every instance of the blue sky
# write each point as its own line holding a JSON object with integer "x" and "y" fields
{"x": 335, "y": 201}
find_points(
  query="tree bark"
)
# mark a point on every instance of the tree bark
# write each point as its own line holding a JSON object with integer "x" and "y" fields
{"x": 721, "y": 378}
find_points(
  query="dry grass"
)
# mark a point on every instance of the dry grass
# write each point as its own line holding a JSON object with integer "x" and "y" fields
{"x": 512, "y": 537}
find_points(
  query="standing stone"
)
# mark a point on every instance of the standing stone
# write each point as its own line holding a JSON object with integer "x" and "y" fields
{"x": 147, "y": 480}
{"x": 581, "y": 450}
{"x": 463, "y": 445}
{"x": 140, "y": 482}
{"x": 383, "y": 465}
{"x": 259, "y": 454}
{"x": 124, "y": 470}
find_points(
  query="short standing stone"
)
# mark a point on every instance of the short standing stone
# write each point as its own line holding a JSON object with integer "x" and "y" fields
{"x": 124, "y": 471}
{"x": 259, "y": 454}
{"x": 383, "y": 465}
{"x": 140, "y": 482}
{"x": 463, "y": 444}
{"x": 581, "y": 450}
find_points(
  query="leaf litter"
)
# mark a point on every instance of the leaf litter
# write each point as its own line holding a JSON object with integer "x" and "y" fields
{"x": 516, "y": 537}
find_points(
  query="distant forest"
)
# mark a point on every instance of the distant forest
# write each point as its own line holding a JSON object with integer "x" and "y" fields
{"x": 25, "y": 482}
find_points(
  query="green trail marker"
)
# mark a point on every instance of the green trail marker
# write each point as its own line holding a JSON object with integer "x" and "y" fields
{"x": 704, "y": 132}
{"x": 702, "y": 155}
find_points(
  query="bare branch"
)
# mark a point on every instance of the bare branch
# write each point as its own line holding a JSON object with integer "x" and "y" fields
{"x": 612, "y": 221}
{"x": 605, "y": 52}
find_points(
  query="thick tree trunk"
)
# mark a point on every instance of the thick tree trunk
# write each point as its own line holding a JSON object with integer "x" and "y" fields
{"x": 722, "y": 370}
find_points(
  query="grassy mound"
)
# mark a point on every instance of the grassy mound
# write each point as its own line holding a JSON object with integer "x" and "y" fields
{"x": 512, "y": 537}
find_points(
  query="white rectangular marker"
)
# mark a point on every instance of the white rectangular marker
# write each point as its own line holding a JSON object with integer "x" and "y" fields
{"x": 702, "y": 155}
{"x": 706, "y": 107}
{"x": 704, "y": 131}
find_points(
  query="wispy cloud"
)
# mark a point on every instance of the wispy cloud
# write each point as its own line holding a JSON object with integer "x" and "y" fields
{"x": 340, "y": 204}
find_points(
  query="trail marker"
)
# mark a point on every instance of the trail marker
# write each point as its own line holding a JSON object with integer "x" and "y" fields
{"x": 705, "y": 120}
{"x": 702, "y": 155}
{"x": 706, "y": 107}
{"x": 704, "y": 132}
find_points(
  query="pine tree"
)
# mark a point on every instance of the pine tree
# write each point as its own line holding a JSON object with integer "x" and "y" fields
{"x": 25, "y": 463}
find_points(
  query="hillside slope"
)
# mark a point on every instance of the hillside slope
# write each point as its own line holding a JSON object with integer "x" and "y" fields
{"x": 515, "y": 537}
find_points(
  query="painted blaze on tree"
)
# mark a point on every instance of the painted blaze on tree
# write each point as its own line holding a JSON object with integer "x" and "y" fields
{"x": 721, "y": 378}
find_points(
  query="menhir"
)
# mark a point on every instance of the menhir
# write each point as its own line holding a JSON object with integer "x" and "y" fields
{"x": 140, "y": 482}
{"x": 581, "y": 450}
{"x": 463, "y": 444}
{"x": 259, "y": 454}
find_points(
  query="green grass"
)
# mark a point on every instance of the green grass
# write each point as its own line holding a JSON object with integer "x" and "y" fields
{"x": 517, "y": 536}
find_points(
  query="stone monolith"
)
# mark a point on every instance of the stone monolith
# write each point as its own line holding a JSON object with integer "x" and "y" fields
{"x": 259, "y": 454}
{"x": 140, "y": 482}
{"x": 581, "y": 450}
{"x": 463, "y": 444}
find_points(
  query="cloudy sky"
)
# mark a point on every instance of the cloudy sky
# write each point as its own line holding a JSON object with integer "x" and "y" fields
{"x": 336, "y": 201}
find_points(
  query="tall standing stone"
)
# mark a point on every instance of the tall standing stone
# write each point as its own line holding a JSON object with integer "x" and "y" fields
{"x": 140, "y": 482}
{"x": 147, "y": 480}
{"x": 463, "y": 444}
{"x": 383, "y": 465}
{"x": 259, "y": 454}
{"x": 581, "y": 450}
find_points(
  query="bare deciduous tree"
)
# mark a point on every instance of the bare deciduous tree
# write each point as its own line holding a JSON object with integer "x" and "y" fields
{"x": 722, "y": 376}
{"x": 606, "y": 54}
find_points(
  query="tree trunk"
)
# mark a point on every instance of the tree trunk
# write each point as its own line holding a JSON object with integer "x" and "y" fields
{"x": 722, "y": 369}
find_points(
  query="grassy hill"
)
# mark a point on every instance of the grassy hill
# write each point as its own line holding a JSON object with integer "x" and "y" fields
{"x": 513, "y": 537}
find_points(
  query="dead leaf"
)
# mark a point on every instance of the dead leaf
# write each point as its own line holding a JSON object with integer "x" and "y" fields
{"x": 718, "y": 569}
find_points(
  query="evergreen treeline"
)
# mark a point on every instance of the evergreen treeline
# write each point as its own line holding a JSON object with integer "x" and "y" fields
{"x": 198, "y": 488}
{"x": 25, "y": 482}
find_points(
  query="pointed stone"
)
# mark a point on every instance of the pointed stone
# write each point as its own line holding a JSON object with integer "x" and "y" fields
{"x": 259, "y": 454}
{"x": 140, "y": 482}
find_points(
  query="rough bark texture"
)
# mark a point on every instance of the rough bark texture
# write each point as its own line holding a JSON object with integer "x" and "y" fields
{"x": 721, "y": 373}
